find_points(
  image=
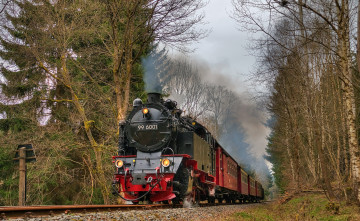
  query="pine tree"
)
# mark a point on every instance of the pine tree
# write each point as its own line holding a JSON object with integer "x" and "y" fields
{"x": 25, "y": 82}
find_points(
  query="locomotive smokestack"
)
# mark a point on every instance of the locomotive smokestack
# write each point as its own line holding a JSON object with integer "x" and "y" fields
{"x": 154, "y": 97}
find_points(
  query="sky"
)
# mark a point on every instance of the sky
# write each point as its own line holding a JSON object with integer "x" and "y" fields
{"x": 225, "y": 47}
{"x": 225, "y": 53}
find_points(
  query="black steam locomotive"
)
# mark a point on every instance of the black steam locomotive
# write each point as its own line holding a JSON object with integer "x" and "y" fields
{"x": 164, "y": 156}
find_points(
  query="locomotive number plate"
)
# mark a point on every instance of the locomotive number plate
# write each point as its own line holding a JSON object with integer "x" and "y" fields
{"x": 147, "y": 127}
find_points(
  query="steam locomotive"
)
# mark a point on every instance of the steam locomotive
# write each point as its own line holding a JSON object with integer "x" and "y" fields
{"x": 164, "y": 156}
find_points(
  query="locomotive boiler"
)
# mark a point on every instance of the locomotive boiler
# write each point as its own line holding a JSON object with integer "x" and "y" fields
{"x": 164, "y": 156}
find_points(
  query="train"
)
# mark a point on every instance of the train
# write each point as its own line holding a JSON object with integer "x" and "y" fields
{"x": 166, "y": 157}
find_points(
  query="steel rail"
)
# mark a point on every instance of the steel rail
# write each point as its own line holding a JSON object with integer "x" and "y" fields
{"x": 36, "y": 211}
{"x": 52, "y": 210}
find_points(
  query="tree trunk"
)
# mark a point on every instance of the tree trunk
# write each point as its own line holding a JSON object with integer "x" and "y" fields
{"x": 117, "y": 85}
{"x": 358, "y": 38}
{"x": 349, "y": 99}
{"x": 128, "y": 66}
{"x": 101, "y": 180}
{"x": 288, "y": 151}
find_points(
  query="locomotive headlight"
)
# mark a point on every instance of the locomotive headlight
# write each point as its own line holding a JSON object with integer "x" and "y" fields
{"x": 145, "y": 111}
{"x": 119, "y": 163}
{"x": 165, "y": 162}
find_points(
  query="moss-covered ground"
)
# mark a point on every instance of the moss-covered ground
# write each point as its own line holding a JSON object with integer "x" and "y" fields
{"x": 301, "y": 207}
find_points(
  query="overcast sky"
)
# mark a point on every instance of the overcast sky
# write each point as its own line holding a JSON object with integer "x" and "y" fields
{"x": 225, "y": 47}
{"x": 225, "y": 52}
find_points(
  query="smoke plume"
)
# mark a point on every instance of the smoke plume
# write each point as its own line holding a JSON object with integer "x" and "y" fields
{"x": 242, "y": 132}
{"x": 241, "y": 127}
{"x": 155, "y": 66}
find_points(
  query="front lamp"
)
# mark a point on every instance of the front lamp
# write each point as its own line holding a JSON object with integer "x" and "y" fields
{"x": 165, "y": 162}
{"x": 119, "y": 163}
{"x": 145, "y": 111}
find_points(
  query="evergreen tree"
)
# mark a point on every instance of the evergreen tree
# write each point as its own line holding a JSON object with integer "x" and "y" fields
{"x": 25, "y": 83}
{"x": 70, "y": 68}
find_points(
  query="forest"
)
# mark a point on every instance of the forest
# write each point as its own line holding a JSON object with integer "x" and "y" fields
{"x": 308, "y": 56}
{"x": 70, "y": 70}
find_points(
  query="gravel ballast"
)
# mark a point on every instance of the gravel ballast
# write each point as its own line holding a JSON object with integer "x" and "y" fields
{"x": 193, "y": 213}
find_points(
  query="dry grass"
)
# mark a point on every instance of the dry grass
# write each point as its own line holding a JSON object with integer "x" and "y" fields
{"x": 301, "y": 207}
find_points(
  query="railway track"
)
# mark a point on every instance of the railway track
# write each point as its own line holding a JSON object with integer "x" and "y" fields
{"x": 50, "y": 211}
{"x": 41, "y": 211}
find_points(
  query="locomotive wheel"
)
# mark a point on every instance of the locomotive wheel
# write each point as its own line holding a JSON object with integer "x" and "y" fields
{"x": 175, "y": 201}
{"x": 166, "y": 201}
{"x": 196, "y": 197}
{"x": 192, "y": 199}
{"x": 211, "y": 199}
{"x": 149, "y": 202}
{"x": 183, "y": 177}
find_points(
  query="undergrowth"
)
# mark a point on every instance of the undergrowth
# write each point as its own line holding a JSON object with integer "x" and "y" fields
{"x": 302, "y": 207}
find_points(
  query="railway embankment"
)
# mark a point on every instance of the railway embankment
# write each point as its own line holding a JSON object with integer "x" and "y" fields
{"x": 303, "y": 206}
{"x": 156, "y": 213}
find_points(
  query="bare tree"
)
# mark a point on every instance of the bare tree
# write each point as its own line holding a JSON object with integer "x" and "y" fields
{"x": 81, "y": 58}
{"x": 172, "y": 22}
{"x": 4, "y": 4}
{"x": 319, "y": 35}
{"x": 186, "y": 87}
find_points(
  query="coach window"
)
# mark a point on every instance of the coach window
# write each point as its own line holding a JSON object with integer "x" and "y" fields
{"x": 245, "y": 178}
